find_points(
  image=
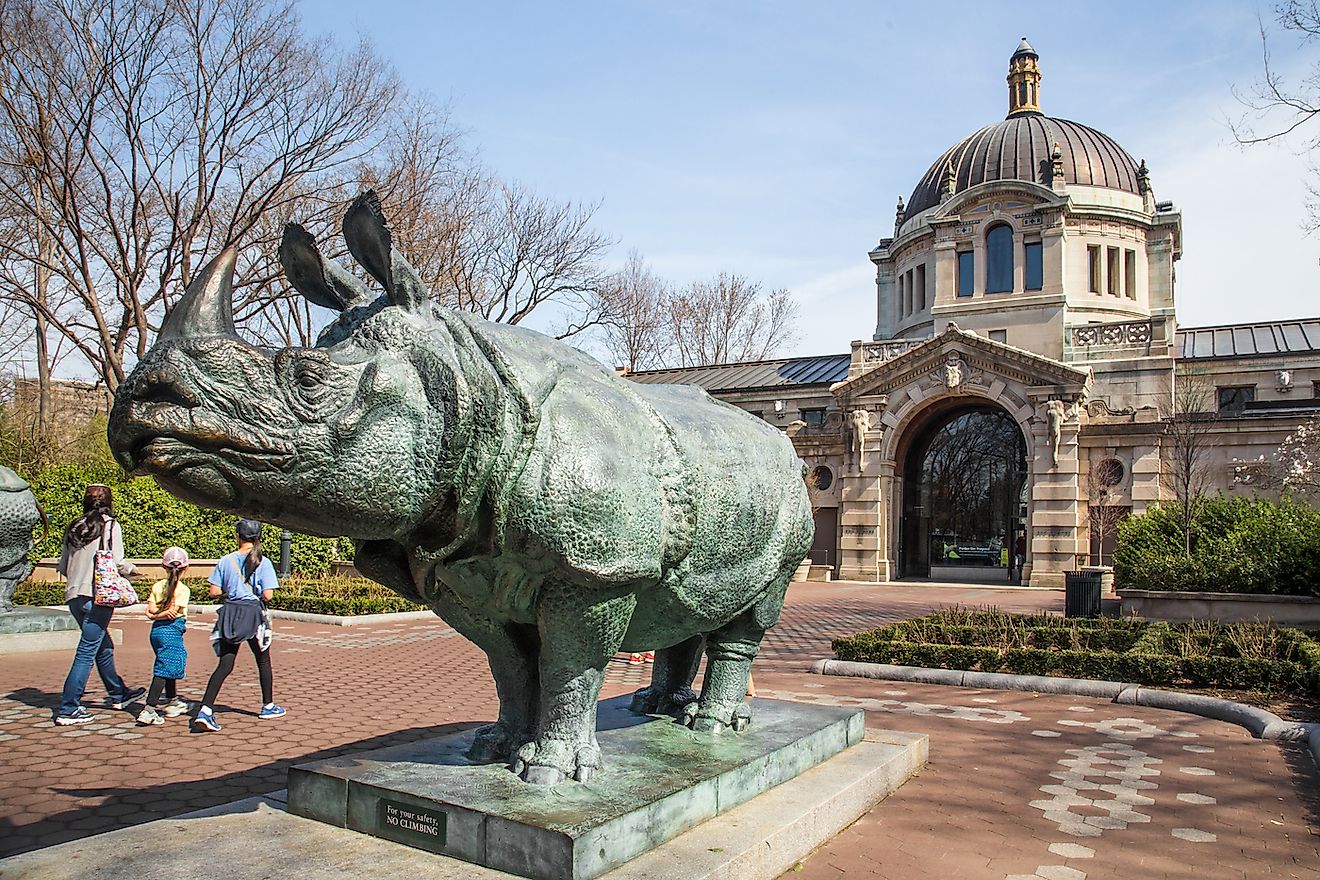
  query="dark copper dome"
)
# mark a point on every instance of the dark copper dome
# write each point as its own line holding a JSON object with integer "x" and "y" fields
{"x": 1019, "y": 149}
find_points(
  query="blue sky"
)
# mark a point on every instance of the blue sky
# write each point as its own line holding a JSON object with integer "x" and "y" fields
{"x": 773, "y": 139}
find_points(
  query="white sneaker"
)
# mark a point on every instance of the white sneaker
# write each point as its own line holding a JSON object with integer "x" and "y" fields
{"x": 175, "y": 707}
{"x": 149, "y": 716}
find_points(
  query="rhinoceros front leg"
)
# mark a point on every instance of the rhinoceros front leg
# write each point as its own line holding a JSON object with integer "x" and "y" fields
{"x": 578, "y": 638}
{"x": 729, "y": 654}
{"x": 671, "y": 679}
{"x": 511, "y": 654}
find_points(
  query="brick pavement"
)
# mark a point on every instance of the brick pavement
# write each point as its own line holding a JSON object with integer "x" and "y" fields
{"x": 1013, "y": 788}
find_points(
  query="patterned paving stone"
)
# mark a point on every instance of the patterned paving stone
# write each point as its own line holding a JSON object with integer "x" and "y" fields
{"x": 1195, "y": 835}
{"x": 1193, "y": 798}
{"x": 967, "y": 815}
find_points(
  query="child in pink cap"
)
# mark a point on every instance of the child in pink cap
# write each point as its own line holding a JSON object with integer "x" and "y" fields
{"x": 167, "y": 608}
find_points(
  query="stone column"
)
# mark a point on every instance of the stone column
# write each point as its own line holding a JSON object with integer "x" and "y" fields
{"x": 1056, "y": 503}
{"x": 860, "y": 526}
{"x": 1147, "y": 477}
{"x": 861, "y": 513}
{"x": 884, "y": 300}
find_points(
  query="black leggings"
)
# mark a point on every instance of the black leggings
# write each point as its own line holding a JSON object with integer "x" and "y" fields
{"x": 228, "y": 653}
{"x": 158, "y": 684}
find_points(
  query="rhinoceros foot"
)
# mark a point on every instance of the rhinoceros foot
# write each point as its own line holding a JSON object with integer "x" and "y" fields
{"x": 551, "y": 761}
{"x": 494, "y": 742}
{"x": 715, "y": 718}
{"x": 659, "y": 701}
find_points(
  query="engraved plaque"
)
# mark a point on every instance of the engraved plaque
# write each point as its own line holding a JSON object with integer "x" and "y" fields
{"x": 422, "y": 827}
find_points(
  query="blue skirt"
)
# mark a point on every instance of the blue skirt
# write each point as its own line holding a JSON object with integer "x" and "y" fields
{"x": 167, "y": 642}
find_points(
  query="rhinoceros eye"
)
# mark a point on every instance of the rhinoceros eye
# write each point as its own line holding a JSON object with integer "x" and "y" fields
{"x": 311, "y": 381}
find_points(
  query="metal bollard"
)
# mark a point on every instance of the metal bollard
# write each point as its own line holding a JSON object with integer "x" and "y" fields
{"x": 286, "y": 560}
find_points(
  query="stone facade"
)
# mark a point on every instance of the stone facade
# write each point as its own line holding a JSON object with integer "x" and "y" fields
{"x": 1032, "y": 276}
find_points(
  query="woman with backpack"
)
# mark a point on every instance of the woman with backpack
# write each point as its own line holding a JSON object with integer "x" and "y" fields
{"x": 246, "y": 579}
{"x": 96, "y": 530}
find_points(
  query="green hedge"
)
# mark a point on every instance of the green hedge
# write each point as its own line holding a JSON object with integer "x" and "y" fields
{"x": 1199, "y": 654}
{"x": 343, "y": 596}
{"x": 153, "y": 519}
{"x": 1239, "y": 545}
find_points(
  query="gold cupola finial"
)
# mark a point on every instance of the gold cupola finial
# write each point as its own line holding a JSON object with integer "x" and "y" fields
{"x": 1024, "y": 80}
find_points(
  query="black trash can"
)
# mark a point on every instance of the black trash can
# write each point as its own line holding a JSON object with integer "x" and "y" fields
{"x": 1081, "y": 593}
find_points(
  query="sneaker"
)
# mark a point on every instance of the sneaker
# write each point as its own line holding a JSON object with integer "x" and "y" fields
{"x": 77, "y": 716}
{"x": 175, "y": 707}
{"x": 206, "y": 720}
{"x": 150, "y": 716}
{"x": 130, "y": 696}
{"x": 271, "y": 711}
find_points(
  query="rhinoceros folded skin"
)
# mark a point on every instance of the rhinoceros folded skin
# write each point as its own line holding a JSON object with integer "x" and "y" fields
{"x": 549, "y": 510}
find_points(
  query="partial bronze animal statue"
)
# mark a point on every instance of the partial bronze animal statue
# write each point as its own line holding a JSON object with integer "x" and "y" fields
{"x": 547, "y": 509}
{"x": 19, "y": 515}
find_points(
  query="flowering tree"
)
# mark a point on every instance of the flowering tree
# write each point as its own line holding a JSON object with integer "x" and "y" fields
{"x": 1292, "y": 468}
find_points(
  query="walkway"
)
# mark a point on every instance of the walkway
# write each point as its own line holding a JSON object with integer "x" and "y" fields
{"x": 1018, "y": 785}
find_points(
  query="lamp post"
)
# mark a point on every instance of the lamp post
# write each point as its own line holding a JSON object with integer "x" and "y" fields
{"x": 286, "y": 546}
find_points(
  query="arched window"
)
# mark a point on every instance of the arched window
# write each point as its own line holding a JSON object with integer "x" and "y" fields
{"x": 999, "y": 259}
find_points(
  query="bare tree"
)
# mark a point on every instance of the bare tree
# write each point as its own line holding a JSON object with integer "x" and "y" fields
{"x": 726, "y": 319}
{"x": 633, "y": 303}
{"x": 142, "y": 135}
{"x": 1279, "y": 110}
{"x": 1189, "y": 446}
{"x": 509, "y": 251}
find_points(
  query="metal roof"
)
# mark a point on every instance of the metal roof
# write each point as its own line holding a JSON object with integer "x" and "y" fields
{"x": 1019, "y": 148}
{"x": 1248, "y": 340}
{"x": 804, "y": 371}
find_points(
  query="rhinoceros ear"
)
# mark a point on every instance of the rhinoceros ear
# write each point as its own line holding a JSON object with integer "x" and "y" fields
{"x": 368, "y": 239}
{"x": 369, "y": 242}
{"x": 321, "y": 282}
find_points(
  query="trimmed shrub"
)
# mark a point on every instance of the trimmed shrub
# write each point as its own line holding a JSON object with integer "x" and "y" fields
{"x": 1200, "y": 654}
{"x": 153, "y": 519}
{"x": 343, "y": 596}
{"x": 1239, "y": 545}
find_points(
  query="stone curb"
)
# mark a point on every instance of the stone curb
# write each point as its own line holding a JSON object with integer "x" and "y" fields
{"x": 1259, "y": 723}
{"x": 299, "y": 616}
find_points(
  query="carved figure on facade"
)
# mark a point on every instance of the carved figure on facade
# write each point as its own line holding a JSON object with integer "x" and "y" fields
{"x": 861, "y": 423}
{"x": 953, "y": 372}
{"x": 550, "y": 511}
{"x": 1099, "y": 408}
{"x": 1283, "y": 380}
{"x": 1056, "y": 413}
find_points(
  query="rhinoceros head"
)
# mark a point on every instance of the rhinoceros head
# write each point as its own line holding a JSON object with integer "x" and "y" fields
{"x": 346, "y": 437}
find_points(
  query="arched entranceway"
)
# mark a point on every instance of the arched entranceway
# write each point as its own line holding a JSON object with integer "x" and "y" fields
{"x": 964, "y": 504}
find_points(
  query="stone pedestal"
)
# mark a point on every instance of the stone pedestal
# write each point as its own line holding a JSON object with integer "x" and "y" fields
{"x": 27, "y": 629}
{"x": 660, "y": 780}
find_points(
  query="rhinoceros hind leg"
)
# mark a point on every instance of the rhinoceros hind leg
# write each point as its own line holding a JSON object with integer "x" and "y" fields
{"x": 671, "y": 680}
{"x": 494, "y": 742}
{"x": 729, "y": 654}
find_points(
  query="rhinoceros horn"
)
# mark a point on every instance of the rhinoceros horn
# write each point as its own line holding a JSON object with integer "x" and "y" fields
{"x": 207, "y": 306}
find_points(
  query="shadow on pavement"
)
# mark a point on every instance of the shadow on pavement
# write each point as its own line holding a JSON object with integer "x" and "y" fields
{"x": 1305, "y": 780}
{"x": 124, "y": 807}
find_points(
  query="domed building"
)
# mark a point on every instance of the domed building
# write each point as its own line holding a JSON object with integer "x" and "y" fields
{"x": 1026, "y": 376}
